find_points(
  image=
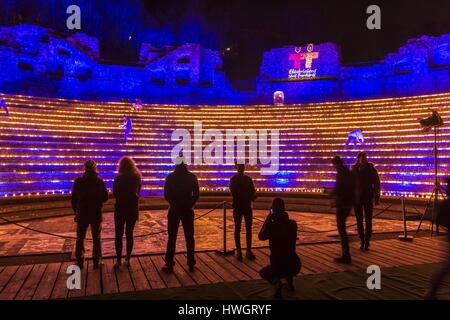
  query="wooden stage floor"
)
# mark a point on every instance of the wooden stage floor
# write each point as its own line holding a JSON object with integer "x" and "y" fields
{"x": 48, "y": 281}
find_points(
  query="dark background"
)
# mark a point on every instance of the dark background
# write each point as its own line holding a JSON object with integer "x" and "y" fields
{"x": 246, "y": 27}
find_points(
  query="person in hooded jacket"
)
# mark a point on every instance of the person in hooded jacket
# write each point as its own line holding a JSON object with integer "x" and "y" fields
{"x": 88, "y": 195}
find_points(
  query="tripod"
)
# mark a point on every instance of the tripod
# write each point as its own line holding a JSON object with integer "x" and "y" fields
{"x": 432, "y": 205}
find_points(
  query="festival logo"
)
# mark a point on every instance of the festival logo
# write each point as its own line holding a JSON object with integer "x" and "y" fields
{"x": 302, "y": 62}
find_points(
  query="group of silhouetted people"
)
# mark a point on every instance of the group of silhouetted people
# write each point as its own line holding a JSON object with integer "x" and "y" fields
{"x": 181, "y": 191}
{"x": 89, "y": 193}
{"x": 357, "y": 188}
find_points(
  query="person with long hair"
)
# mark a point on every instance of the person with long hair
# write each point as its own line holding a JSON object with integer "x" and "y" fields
{"x": 126, "y": 190}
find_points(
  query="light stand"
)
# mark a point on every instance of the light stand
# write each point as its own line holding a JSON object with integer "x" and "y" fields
{"x": 434, "y": 198}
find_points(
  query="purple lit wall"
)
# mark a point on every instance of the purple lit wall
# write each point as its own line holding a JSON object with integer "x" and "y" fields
{"x": 36, "y": 61}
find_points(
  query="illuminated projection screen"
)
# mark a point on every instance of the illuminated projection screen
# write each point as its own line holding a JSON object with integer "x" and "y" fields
{"x": 52, "y": 139}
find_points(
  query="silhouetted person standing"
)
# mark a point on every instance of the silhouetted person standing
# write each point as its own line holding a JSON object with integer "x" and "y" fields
{"x": 126, "y": 190}
{"x": 243, "y": 193}
{"x": 344, "y": 199}
{"x": 282, "y": 235}
{"x": 182, "y": 192}
{"x": 88, "y": 195}
{"x": 444, "y": 270}
{"x": 367, "y": 193}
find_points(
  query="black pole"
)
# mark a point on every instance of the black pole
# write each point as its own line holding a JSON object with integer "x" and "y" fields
{"x": 225, "y": 252}
{"x": 405, "y": 236}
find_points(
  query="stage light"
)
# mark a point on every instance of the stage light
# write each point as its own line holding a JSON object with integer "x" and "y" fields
{"x": 433, "y": 121}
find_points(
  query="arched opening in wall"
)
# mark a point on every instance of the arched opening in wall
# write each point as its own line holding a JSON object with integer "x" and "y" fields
{"x": 63, "y": 52}
{"x": 84, "y": 74}
{"x": 182, "y": 81}
{"x": 402, "y": 68}
{"x": 205, "y": 83}
{"x": 158, "y": 77}
{"x": 183, "y": 77}
{"x": 158, "y": 82}
{"x": 54, "y": 72}
{"x": 23, "y": 65}
{"x": 184, "y": 60}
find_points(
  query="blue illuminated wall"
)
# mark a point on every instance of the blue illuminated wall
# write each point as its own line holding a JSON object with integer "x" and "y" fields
{"x": 37, "y": 61}
{"x": 422, "y": 66}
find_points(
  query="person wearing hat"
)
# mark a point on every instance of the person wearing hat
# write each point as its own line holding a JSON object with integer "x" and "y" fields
{"x": 181, "y": 191}
{"x": 344, "y": 198}
{"x": 88, "y": 195}
{"x": 443, "y": 219}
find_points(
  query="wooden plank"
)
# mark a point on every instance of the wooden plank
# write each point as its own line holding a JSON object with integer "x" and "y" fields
{"x": 60, "y": 290}
{"x": 138, "y": 277}
{"x": 368, "y": 258}
{"x": 109, "y": 280}
{"x": 124, "y": 279}
{"x": 327, "y": 258}
{"x": 182, "y": 273}
{"x": 313, "y": 263}
{"x": 329, "y": 252}
{"x": 262, "y": 256}
{"x": 45, "y": 287}
{"x": 244, "y": 267}
{"x": 32, "y": 282}
{"x": 6, "y": 275}
{"x": 261, "y": 260}
{"x": 429, "y": 248}
{"x": 405, "y": 252}
{"x": 413, "y": 256}
{"x": 152, "y": 275}
{"x": 208, "y": 272}
{"x": 16, "y": 282}
{"x": 94, "y": 280}
{"x": 386, "y": 255}
{"x": 225, "y": 274}
{"x": 197, "y": 275}
{"x": 170, "y": 280}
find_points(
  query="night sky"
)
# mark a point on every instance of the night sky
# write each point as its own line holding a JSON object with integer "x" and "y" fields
{"x": 252, "y": 27}
{"x": 248, "y": 28}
